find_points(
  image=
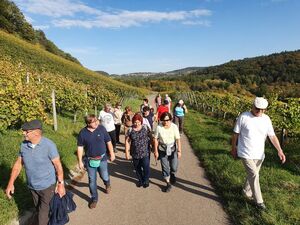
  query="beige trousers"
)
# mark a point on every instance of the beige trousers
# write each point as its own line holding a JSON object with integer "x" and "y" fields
{"x": 252, "y": 186}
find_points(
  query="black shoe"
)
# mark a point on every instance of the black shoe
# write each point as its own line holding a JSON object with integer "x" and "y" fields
{"x": 168, "y": 187}
{"x": 261, "y": 206}
{"x": 172, "y": 179}
{"x": 146, "y": 184}
{"x": 139, "y": 184}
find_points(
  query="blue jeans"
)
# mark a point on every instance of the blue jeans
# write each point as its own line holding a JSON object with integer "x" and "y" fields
{"x": 142, "y": 168}
{"x": 169, "y": 164}
{"x": 92, "y": 173}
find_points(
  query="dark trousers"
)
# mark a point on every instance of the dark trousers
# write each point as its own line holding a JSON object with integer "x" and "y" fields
{"x": 112, "y": 135}
{"x": 41, "y": 200}
{"x": 178, "y": 120}
{"x": 142, "y": 168}
{"x": 118, "y": 128}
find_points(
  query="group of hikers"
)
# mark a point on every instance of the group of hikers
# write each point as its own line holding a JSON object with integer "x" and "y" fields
{"x": 97, "y": 141}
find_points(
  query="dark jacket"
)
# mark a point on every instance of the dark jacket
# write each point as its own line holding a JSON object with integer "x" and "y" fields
{"x": 60, "y": 207}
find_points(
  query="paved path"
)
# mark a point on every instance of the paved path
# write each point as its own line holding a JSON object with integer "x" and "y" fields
{"x": 191, "y": 201}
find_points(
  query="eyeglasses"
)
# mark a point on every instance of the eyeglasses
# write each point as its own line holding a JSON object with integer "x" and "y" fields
{"x": 165, "y": 120}
{"x": 27, "y": 131}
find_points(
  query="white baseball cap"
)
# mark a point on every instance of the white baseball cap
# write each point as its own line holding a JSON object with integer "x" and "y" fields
{"x": 260, "y": 103}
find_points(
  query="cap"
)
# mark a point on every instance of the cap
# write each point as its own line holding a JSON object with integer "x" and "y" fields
{"x": 32, "y": 125}
{"x": 180, "y": 102}
{"x": 260, "y": 103}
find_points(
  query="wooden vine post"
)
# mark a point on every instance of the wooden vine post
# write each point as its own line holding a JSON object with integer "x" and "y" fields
{"x": 54, "y": 110}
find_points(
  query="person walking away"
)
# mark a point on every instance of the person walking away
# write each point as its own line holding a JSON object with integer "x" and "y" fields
{"x": 248, "y": 143}
{"x": 95, "y": 142}
{"x": 179, "y": 111}
{"x": 167, "y": 148}
{"x": 148, "y": 115}
{"x": 126, "y": 118}
{"x": 107, "y": 120}
{"x": 167, "y": 97}
{"x": 117, "y": 114}
{"x": 161, "y": 109}
{"x": 44, "y": 172}
{"x": 137, "y": 142}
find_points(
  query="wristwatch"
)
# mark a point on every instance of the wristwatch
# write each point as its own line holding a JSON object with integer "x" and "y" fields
{"x": 60, "y": 182}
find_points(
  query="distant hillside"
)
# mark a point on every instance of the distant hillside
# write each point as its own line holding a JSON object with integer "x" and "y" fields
{"x": 278, "y": 73}
{"x": 13, "y": 21}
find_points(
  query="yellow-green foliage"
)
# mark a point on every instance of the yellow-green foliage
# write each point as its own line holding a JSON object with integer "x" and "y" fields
{"x": 39, "y": 60}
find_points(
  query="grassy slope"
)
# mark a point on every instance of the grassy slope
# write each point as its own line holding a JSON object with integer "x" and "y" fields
{"x": 39, "y": 60}
{"x": 210, "y": 139}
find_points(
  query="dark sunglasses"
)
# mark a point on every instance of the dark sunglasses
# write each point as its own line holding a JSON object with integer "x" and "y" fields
{"x": 258, "y": 109}
{"x": 165, "y": 120}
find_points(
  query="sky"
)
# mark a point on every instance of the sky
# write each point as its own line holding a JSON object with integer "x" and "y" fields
{"x": 125, "y": 36}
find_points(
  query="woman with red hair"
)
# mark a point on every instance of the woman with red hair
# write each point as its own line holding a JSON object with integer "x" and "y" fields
{"x": 137, "y": 142}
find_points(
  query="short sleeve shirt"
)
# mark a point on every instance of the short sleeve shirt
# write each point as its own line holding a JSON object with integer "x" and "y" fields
{"x": 94, "y": 143}
{"x": 167, "y": 135}
{"x": 40, "y": 171}
{"x": 139, "y": 147}
{"x": 253, "y": 132}
{"x": 107, "y": 120}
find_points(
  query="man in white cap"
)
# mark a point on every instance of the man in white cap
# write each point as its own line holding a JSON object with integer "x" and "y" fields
{"x": 248, "y": 143}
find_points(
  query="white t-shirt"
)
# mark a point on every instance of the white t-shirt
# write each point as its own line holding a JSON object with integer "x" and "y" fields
{"x": 167, "y": 136}
{"x": 253, "y": 132}
{"x": 107, "y": 120}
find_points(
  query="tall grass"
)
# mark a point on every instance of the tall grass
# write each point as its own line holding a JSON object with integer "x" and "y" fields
{"x": 280, "y": 184}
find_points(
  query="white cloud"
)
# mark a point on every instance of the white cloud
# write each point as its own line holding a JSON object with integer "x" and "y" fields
{"x": 204, "y": 23}
{"x": 135, "y": 18}
{"x": 41, "y": 27}
{"x": 66, "y": 13}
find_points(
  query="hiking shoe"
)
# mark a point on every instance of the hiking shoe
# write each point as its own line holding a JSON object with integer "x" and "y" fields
{"x": 139, "y": 184}
{"x": 146, "y": 184}
{"x": 168, "y": 188}
{"x": 172, "y": 179}
{"x": 107, "y": 188}
{"x": 261, "y": 206}
{"x": 92, "y": 205}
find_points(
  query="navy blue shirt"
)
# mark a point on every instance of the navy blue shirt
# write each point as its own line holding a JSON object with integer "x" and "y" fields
{"x": 94, "y": 143}
{"x": 150, "y": 119}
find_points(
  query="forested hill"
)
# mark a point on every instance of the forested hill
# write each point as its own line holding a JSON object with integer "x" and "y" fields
{"x": 279, "y": 73}
{"x": 13, "y": 21}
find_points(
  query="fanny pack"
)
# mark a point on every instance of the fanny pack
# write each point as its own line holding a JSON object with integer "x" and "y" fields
{"x": 95, "y": 161}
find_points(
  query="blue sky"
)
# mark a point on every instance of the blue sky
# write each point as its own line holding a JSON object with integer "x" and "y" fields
{"x": 123, "y": 36}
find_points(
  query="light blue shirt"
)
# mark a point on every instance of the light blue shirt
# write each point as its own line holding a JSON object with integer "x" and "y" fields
{"x": 38, "y": 166}
{"x": 179, "y": 111}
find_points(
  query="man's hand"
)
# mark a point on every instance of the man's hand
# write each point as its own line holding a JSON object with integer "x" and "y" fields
{"x": 60, "y": 189}
{"x": 281, "y": 156}
{"x": 81, "y": 165}
{"x": 112, "y": 156}
{"x": 10, "y": 189}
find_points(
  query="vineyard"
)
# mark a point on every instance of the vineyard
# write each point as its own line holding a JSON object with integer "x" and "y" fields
{"x": 29, "y": 74}
{"x": 285, "y": 114}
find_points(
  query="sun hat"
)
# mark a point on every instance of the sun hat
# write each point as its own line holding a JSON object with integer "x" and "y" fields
{"x": 260, "y": 103}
